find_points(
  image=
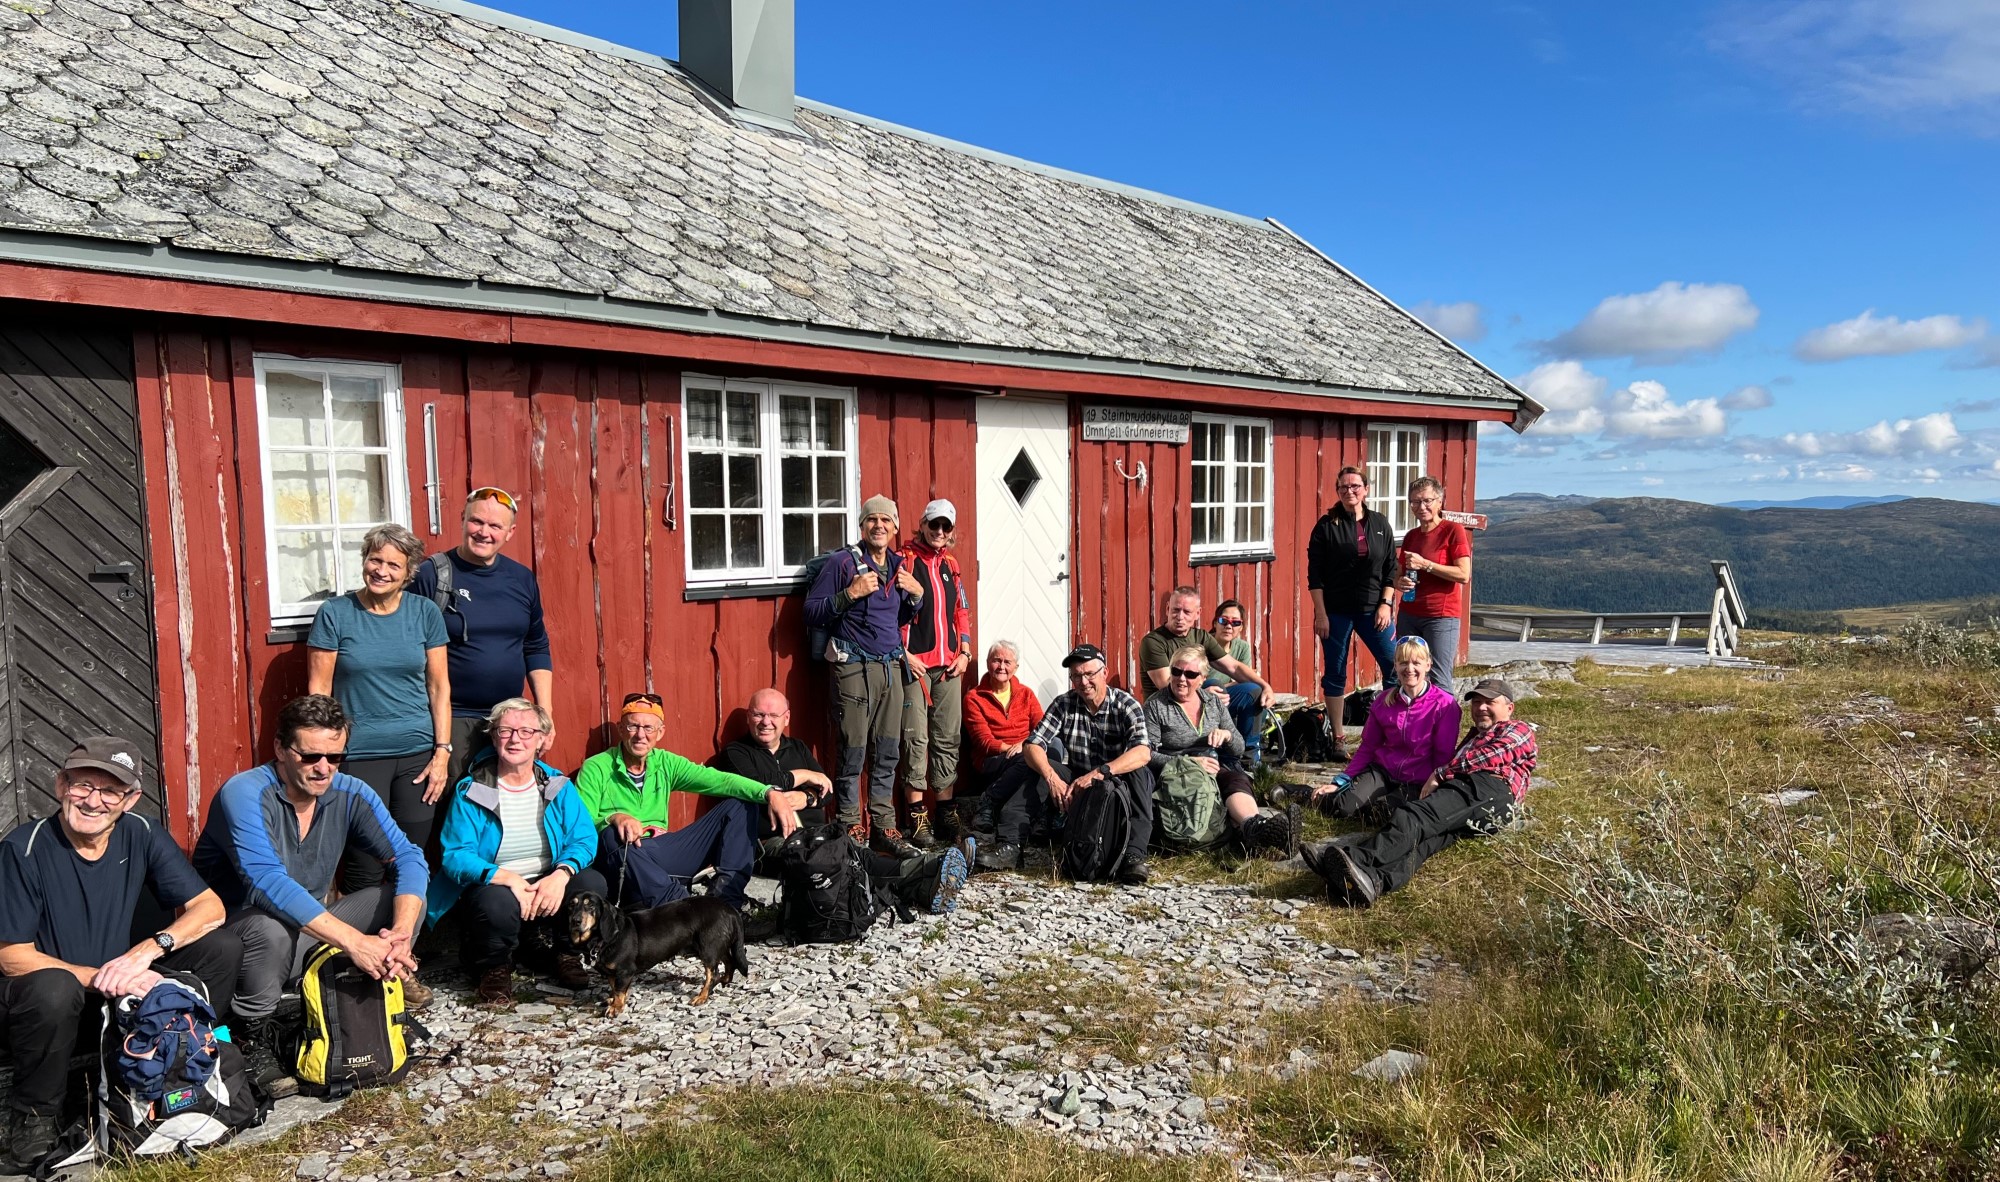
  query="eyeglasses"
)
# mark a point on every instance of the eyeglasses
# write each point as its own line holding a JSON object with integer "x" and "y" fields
{"x": 83, "y": 792}
{"x": 1229, "y": 621}
{"x": 940, "y": 525}
{"x": 655, "y": 699}
{"x": 499, "y": 494}
{"x": 1086, "y": 674}
{"x": 1189, "y": 674}
{"x": 1349, "y": 486}
{"x": 503, "y": 733}
{"x": 309, "y": 758}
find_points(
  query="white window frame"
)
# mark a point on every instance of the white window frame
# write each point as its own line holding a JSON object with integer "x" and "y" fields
{"x": 774, "y": 569}
{"x": 395, "y": 465}
{"x": 1234, "y": 468}
{"x": 1389, "y": 479}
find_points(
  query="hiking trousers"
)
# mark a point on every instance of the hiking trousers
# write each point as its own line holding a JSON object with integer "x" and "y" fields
{"x": 1463, "y": 806}
{"x": 868, "y": 709}
{"x": 931, "y": 733}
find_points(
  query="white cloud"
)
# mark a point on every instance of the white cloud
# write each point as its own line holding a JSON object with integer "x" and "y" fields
{"x": 1747, "y": 398}
{"x": 1643, "y": 410}
{"x": 1869, "y": 335}
{"x": 1850, "y": 473}
{"x": 1570, "y": 392}
{"x": 1652, "y": 481}
{"x": 1463, "y": 322}
{"x": 1926, "y": 475}
{"x": 1891, "y": 57}
{"x": 1933, "y": 434}
{"x": 1669, "y": 323}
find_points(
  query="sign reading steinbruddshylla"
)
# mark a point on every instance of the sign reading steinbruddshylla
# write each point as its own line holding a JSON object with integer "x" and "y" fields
{"x": 1136, "y": 424}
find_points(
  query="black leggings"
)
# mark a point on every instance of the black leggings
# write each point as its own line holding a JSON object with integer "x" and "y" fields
{"x": 394, "y": 780}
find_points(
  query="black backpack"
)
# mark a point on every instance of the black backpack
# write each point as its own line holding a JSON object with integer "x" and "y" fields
{"x": 1355, "y": 712}
{"x": 1098, "y": 827}
{"x": 1308, "y": 738}
{"x": 828, "y": 895}
{"x": 816, "y": 637}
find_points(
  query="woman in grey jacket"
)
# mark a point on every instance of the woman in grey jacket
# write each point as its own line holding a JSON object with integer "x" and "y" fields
{"x": 1184, "y": 721}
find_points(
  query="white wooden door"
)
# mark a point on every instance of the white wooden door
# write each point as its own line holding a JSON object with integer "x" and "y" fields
{"x": 1024, "y": 536}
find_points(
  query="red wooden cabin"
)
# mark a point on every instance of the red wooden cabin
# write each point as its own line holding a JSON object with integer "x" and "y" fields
{"x": 270, "y": 275}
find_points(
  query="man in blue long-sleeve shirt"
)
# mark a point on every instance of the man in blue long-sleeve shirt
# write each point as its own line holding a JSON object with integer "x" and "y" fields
{"x": 863, "y": 597}
{"x": 275, "y": 836}
{"x": 493, "y": 619}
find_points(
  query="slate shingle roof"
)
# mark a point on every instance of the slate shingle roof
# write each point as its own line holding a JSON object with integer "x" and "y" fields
{"x": 413, "y": 140}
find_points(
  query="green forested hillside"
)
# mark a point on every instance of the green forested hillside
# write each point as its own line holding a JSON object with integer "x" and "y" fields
{"x": 1651, "y": 554}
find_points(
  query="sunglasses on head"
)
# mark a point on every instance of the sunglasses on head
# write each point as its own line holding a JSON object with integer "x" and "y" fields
{"x": 1419, "y": 641}
{"x": 1189, "y": 674}
{"x": 499, "y": 494}
{"x": 309, "y": 758}
{"x": 655, "y": 699}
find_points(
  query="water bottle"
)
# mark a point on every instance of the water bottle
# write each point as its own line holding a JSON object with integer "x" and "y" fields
{"x": 1410, "y": 566}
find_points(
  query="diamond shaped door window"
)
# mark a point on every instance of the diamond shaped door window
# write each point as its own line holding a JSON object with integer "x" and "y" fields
{"x": 1022, "y": 477}
{"x": 20, "y": 463}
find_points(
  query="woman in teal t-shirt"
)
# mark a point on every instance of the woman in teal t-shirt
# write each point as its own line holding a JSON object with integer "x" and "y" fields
{"x": 382, "y": 653}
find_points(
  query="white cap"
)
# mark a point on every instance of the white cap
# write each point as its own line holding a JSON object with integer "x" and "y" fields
{"x": 940, "y": 508}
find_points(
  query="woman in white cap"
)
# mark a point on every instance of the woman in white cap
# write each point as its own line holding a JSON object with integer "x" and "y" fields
{"x": 937, "y": 642}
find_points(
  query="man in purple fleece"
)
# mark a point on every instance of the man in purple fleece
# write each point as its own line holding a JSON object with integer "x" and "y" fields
{"x": 1410, "y": 734}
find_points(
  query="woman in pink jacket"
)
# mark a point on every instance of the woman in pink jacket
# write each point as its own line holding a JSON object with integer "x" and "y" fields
{"x": 1411, "y": 732}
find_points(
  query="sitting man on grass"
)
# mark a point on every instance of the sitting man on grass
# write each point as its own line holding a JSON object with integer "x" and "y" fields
{"x": 1472, "y": 795}
{"x": 629, "y": 790}
{"x": 70, "y": 887}
{"x": 275, "y": 836}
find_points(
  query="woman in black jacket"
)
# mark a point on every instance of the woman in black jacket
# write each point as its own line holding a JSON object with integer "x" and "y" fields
{"x": 1351, "y": 575}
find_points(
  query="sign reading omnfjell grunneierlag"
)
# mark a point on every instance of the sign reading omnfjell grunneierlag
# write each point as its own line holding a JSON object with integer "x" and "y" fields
{"x": 1136, "y": 424}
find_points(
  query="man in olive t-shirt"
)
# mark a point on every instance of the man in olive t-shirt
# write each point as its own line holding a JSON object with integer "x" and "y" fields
{"x": 1248, "y": 698}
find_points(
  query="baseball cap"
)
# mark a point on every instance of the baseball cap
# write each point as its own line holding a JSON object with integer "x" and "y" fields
{"x": 1492, "y": 687}
{"x": 940, "y": 508}
{"x": 106, "y": 753}
{"x": 1082, "y": 653}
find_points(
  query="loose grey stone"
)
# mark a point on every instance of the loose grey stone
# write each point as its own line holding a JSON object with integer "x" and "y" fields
{"x": 1392, "y": 1066}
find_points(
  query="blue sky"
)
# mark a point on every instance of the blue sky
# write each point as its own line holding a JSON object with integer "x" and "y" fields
{"x": 1741, "y": 249}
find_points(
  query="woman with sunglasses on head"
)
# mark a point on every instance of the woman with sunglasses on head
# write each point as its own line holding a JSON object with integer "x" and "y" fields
{"x": 518, "y": 845}
{"x": 1411, "y": 732}
{"x": 1351, "y": 575}
{"x": 1183, "y": 721}
{"x": 381, "y": 653}
{"x": 1437, "y": 562}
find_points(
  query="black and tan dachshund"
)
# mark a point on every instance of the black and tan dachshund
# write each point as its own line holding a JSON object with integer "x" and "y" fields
{"x": 622, "y": 946}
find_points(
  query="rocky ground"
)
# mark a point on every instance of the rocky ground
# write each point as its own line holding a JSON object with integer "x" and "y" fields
{"x": 1107, "y": 1015}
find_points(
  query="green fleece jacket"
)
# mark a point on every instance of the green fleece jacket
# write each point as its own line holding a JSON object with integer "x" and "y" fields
{"x": 606, "y": 788}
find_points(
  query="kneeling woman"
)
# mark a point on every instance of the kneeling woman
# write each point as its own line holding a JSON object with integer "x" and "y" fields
{"x": 1183, "y": 719}
{"x": 1411, "y": 732}
{"x": 517, "y": 846}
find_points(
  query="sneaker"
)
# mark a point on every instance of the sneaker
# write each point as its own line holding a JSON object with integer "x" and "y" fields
{"x": 416, "y": 995}
{"x": 570, "y": 973}
{"x": 496, "y": 988}
{"x": 999, "y": 856}
{"x": 891, "y": 842}
{"x": 957, "y": 868}
{"x": 920, "y": 834}
{"x": 258, "y": 1042}
{"x": 1135, "y": 872}
{"x": 33, "y": 1138}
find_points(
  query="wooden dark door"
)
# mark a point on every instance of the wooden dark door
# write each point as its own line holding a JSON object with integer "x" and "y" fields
{"x": 76, "y": 631}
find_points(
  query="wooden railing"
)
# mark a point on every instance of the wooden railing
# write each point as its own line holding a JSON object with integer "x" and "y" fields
{"x": 1725, "y": 618}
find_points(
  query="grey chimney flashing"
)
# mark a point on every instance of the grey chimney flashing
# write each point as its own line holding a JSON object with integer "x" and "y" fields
{"x": 743, "y": 50}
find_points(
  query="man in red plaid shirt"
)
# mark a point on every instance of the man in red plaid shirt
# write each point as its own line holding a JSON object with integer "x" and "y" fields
{"x": 1470, "y": 796}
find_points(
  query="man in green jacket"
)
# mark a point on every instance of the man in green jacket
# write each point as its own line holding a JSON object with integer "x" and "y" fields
{"x": 628, "y": 790}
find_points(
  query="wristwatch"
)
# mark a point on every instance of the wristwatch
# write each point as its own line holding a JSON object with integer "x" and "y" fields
{"x": 444, "y": 747}
{"x": 165, "y": 940}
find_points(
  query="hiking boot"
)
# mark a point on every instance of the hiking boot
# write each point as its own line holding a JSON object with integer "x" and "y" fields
{"x": 1294, "y": 829}
{"x": 858, "y": 830}
{"x": 33, "y": 1138}
{"x": 496, "y": 987}
{"x": 259, "y": 1043}
{"x": 957, "y": 868}
{"x": 570, "y": 973}
{"x": 1362, "y": 882}
{"x": 984, "y": 816}
{"x": 921, "y": 834}
{"x": 945, "y": 824}
{"x": 1134, "y": 871}
{"x": 892, "y": 843}
{"x": 416, "y": 995}
{"x": 999, "y": 856}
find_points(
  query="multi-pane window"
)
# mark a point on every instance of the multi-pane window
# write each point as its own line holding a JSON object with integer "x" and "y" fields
{"x": 1231, "y": 494}
{"x": 1395, "y": 458}
{"x": 771, "y": 476}
{"x": 332, "y": 444}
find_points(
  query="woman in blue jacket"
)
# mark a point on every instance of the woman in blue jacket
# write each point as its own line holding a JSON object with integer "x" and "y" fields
{"x": 517, "y": 846}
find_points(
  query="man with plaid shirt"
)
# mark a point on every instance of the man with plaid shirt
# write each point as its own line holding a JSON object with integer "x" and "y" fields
{"x": 1470, "y": 796}
{"x": 1092, "y": 739}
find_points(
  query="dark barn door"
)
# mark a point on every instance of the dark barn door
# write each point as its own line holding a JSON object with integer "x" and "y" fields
{"x": 76, "y": 636}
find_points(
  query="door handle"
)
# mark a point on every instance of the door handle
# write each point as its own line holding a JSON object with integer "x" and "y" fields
{"x": 114, "y": 570}
{"x": 1060, "y": 576}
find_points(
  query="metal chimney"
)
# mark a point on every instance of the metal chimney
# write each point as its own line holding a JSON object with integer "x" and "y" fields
{"x": 742, "y": 49}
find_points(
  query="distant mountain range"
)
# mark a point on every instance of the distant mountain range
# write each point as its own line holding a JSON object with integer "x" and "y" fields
{"x": 1651, "y": 554}
{"x": 1814, "y": 503}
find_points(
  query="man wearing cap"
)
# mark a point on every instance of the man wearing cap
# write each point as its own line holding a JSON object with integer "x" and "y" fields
{"x": 275, "y": 837}
{"x": 1470, "y": 796}
{"x": 862, "y": 598}
{"x": 628, "y": 792}
{"x": 938, "y": 645}
{"x": 1092, "y": 739}
{"x": 1249, "y": 697}
{"x": 492, "y": 620}
{"x": 70, "y": 886}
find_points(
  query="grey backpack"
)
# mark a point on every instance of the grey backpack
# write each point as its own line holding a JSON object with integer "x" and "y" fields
{"x": 1187, "y": 806}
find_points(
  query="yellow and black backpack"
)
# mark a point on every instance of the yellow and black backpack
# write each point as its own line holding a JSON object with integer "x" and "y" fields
{"x": 356, "y": 1033}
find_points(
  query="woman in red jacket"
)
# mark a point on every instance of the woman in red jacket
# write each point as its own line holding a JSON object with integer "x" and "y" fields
{"x": 999, "y": 713}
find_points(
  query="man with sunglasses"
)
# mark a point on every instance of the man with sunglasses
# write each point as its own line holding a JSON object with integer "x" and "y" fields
{"x": 275, "y": 837}
{"x": 1249, "y": 696}
{"x": 938, "y": 644}
{"x": 70, "y": 889}
{"x": 492, "y": 619}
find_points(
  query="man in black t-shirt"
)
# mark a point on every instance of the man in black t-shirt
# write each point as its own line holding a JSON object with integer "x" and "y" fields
{"x": 770, "y": 756}
{"x": 69, "y": 889}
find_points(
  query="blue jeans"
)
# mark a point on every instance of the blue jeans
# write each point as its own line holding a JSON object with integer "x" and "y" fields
{"x": 1246, "y": 709}
{"x": 1441, "y": 634}
{"x": 657, "y": 869}
{"x": 1340, "y": 627}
